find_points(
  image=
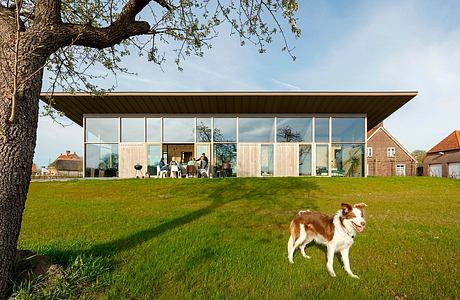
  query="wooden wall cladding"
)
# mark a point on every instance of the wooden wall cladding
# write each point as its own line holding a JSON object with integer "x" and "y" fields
{"x": 287, "y": 160}
{"x": 249, "y": 160}
{"x": 130, "y": 155}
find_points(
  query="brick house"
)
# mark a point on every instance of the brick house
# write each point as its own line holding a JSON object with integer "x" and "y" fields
{"x": 443, "y": 160}
{"x": 386, "y": 156}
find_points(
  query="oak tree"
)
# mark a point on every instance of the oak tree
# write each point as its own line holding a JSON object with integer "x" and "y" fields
{"x": 67, "y": 37}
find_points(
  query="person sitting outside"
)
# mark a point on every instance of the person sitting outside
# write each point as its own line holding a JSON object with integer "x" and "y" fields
{"x": 174, "y": 168}
{"x": 163, "y": 167}
{"x": 202, "y": 166}
{"x": 191, "y": 169}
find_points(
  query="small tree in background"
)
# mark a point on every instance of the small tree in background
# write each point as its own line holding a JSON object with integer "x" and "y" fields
{"x": 69, "y": 38}
{"x": 419, "y": 155}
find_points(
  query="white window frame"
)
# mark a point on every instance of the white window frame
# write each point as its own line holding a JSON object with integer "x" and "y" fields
{"x": 391, "y": 152}
{"x": 402, "y": 167}
{"x": 369, "y": 151}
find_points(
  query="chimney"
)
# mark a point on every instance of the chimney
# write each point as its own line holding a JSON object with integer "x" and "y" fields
{"x": 67, "y": 152}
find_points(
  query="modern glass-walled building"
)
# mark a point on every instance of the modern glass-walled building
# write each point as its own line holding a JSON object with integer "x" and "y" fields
{"x": 242, "y": 134}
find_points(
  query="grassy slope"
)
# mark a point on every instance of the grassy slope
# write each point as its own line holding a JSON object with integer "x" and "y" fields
{"x": 193, "y": 238}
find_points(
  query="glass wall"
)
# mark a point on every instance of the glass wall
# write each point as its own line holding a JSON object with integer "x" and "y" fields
{"x": 305, "y": 160}
{"x": 253, "y": 130}
{"x": 178, "y": 130}
{"x": 202, "y": 148}
{"x": 132, "y": 129}
{"x": 322, "y": 160}
{"x": 203, "y": 129}
{"x": 321, "y": 130}
{"x": 154, "y": 130}
{"x": 348, "y": 130}
{"x": 102, "y": 130}
{"x": 153, "y": 159}
{"x": 224, "y": 129}
{"x": 225, "y": 159}
{"x": 266, "y": 160}
{"x": 101, "y": 160}
{"x": 347, "y": 160}
{"x": 326, "y": 145}
{"x": 294, "y": 130}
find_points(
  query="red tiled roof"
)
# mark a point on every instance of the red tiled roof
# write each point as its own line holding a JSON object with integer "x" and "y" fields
{"x": 68, "y": 156}
{"x": 451, "y": 142}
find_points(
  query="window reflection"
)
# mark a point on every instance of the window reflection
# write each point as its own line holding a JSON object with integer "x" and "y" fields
{"x": 225, "y": 129}
{"x": 347, "y": 160}
{"x": 179, "y": 130}
{"x": 153, "y": 129}
{"x": 256, "y": 130}
{"x": 103, "y": 130}
{"x": 305, "y": 160}
{"x": 293, "y": 130}
{"x": 203, "y": 129}
{"x": 322, "y": 159}
{"x": 266, "y": 160}
{"x": 321, "y": 130}
{"x": 348, "y": 129}
{"x": 101, "y": 160}
{"x": 225, "y": 157}
{"x": 132, "y": 129}
{"x": 153, "y": 159}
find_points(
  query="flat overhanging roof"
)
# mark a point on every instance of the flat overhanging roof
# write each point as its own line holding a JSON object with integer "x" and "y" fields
{"x": 376, "y": 105}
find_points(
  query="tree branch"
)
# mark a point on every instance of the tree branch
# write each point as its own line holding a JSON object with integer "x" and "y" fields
{"x": 99, "y": 38}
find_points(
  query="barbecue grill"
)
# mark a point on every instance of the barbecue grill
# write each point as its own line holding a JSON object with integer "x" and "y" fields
{"x": 138, "y": 168}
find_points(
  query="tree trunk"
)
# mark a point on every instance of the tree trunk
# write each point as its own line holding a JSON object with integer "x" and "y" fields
{"x": 17, "y": 144}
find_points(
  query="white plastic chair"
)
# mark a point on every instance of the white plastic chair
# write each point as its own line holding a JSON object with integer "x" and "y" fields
{"x": 161, "y": 174}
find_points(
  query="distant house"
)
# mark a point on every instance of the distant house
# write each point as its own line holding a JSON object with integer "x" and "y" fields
{"x": 386, "y": 156}
{"x": 34, "y": 169}
{"x": 443, "y": 160}
{"x": 67, "y": 164}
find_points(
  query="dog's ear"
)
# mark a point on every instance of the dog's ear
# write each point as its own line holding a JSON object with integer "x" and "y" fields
{"x": 346, "y": 208}
{"x": 361, "y": 207}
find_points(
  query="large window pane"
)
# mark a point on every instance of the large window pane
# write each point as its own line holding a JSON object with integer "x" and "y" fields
{"x": 153, "y": 159}
{"x": 103, "y": 130}
{"x": 348, "y": 130}
{"x": 180, "y": 130}
{"x": 132, "y": 129}
{"x": 255, "y": 130}
{"x": 321, "y": 130}
{"x": 101, "y": 160}
{"x": 347, "y": 160}
{"x": 225, "y": 157}
{"x": 225, "y": 129}
{"x": 293, "y": 130}
{"x": 305, "y": 160}
{"x": 266, "y": 160}
{"x": 154, "y": 130}
{"x": 203, "y": 148}
{"x": 322, "y": 159}
{"x": 203, "y": 129}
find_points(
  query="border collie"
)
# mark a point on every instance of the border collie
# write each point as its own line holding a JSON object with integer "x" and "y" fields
{"x": 336, "y": 233}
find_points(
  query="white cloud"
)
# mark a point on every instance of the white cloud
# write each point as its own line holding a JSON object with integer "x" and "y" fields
{"x": 396, "y": 48}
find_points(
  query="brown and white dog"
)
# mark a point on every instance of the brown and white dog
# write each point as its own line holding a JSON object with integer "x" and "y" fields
{"x": 336, "y": 233}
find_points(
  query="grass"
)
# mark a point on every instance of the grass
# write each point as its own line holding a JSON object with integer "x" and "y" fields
{"x": 226, "y": 238}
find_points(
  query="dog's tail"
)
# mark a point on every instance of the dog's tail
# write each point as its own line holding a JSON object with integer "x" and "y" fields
{"x": 295, "y": 232}
{"x": 294, "y": 236}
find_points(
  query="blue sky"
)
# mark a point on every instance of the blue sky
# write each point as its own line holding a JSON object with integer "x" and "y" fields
{"x": 345, "y": 46}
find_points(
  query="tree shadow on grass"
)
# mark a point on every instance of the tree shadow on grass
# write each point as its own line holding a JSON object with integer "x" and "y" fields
{"x": 230, "y": 190}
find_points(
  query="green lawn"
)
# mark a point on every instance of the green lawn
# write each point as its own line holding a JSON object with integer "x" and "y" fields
{"x": 226, "y": 238}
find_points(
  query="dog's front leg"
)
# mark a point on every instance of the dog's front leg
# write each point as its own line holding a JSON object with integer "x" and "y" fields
{"x": 346, "y": 262}
{"x": 330, "y": 260}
